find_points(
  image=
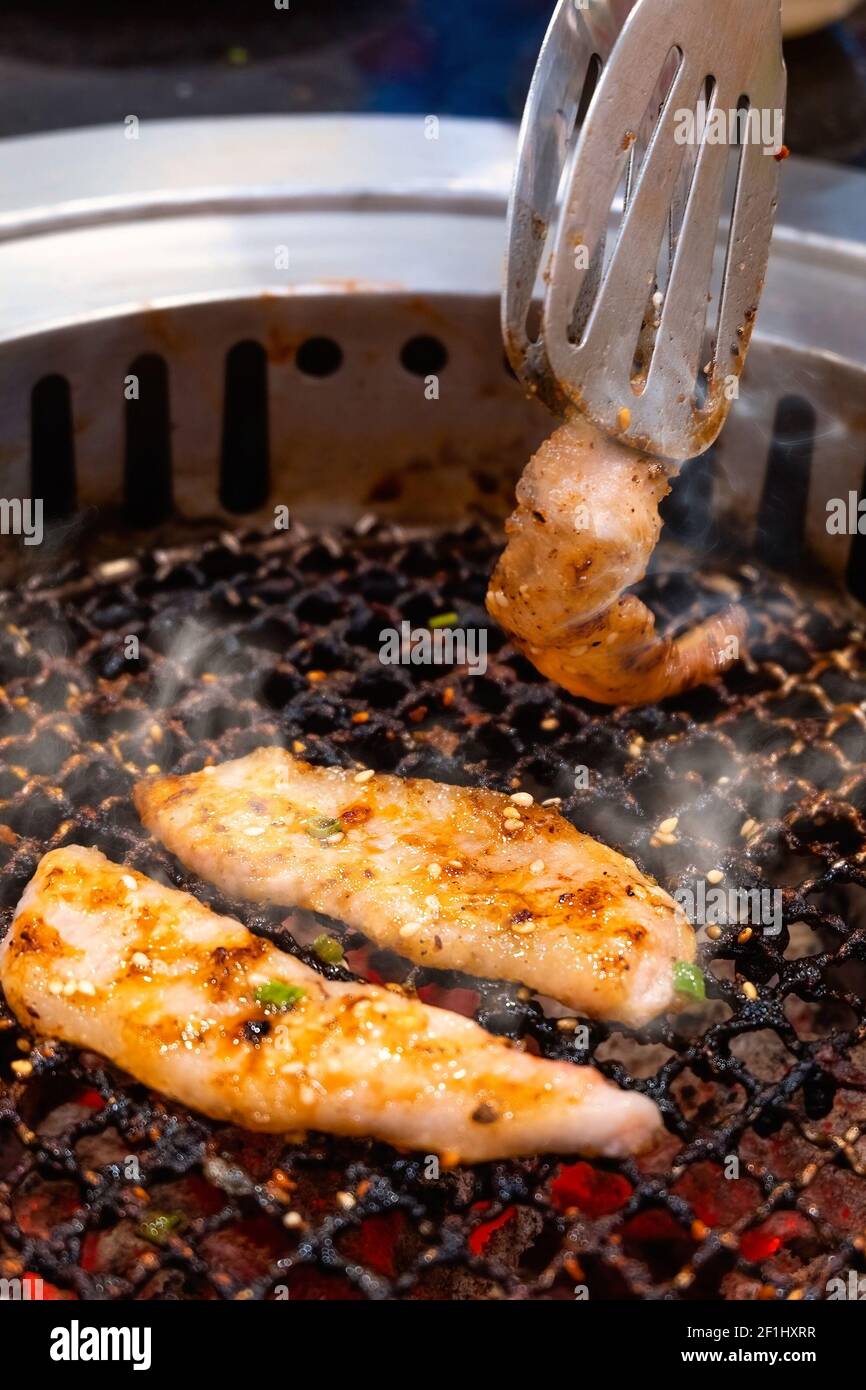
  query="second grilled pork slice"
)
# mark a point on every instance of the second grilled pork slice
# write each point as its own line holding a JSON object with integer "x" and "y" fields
{"x": 454, "y": 877}
{"x": 196, "y": 1006}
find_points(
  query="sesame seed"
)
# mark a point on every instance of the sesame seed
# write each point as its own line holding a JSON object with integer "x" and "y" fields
{"x": 55, "y": 987}
{"x": 432, "y": 902}
{"x": 335, "y": 838}
{"x": 434, "y": 870}
{"x": 635, "y": 749}
{"x": 69, "y": 988}
{"x": 714, "y": 932}
{"x": 128, "y": 881}
{"x": 668, "y": 826}
{"x": 537, "y": 866}
{"x": 87, "y": 987}
{"x": 552, "y": 801}
{"x": 749, "y": 990}
{"x": 410, "y": 929}
{"x": 549, "y": 725}
{"x": 362, "y": 777}
{"x": 22, "y": 1068}
{"x": 141, "y": 960}
{"x": 524, "y": 929}
{"x": 624, "y": 418}
{"x": 566, "y": 1025}
{"x": 747, "y": 827}
{"x": 521, "y": 798}
{"x": 345, "y": 1200}
{"x": 114, "y": 570}
{"x": 307, "y": 1095}
{"x": 292, "y": 1220}
{"x": 715, "y": 876}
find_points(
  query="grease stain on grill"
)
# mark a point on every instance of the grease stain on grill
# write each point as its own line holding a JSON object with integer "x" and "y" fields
{"x": 776, "y": 1082}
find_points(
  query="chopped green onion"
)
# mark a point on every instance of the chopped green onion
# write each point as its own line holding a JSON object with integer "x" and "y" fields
{"x": 322, "y": 827}
{"x": 160, "y": 1225}
{"x": 278, "y": 995}
{"x": 689, "y": 980}
{"x": 328, "y": 949}
{"x": 443, "y": 620}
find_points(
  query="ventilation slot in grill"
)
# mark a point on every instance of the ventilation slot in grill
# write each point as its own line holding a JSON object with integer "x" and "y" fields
{"x": 782, "y": 514}
{"x": 424, "y": 356}
{"x": 244, "y": 474}
{"x": 319, "y": 357}
{"x": 147, "y": 452}
{"x": 52, "y": 450}
{"x": 856, "y": 577}
{"x": 688, "y": 511}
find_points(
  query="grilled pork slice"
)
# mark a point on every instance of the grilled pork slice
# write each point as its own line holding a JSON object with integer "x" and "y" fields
{"x": 197, "y": 1007}
{"x": 454, "y": 877}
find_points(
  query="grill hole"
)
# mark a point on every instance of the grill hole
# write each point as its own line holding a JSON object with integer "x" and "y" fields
{"x": 319, "y": 357}
{"x": 244, "y": 473}
{"x": 688, "y": 510}
{"x": 52, "y": 451}
{"x": 782, "y": 515}
{"x": 857, "y": 561}
{"x": 424, "y": 355}
{"x": 147, "y": 450}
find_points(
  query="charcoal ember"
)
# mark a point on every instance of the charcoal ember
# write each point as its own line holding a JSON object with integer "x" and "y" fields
{"x": 757, "y": 1187}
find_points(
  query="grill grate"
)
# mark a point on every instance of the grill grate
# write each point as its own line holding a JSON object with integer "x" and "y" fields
{"x": 106, "y": 1192}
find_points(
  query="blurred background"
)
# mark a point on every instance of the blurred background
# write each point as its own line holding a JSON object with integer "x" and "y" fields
{"x": 68, "y": 64}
